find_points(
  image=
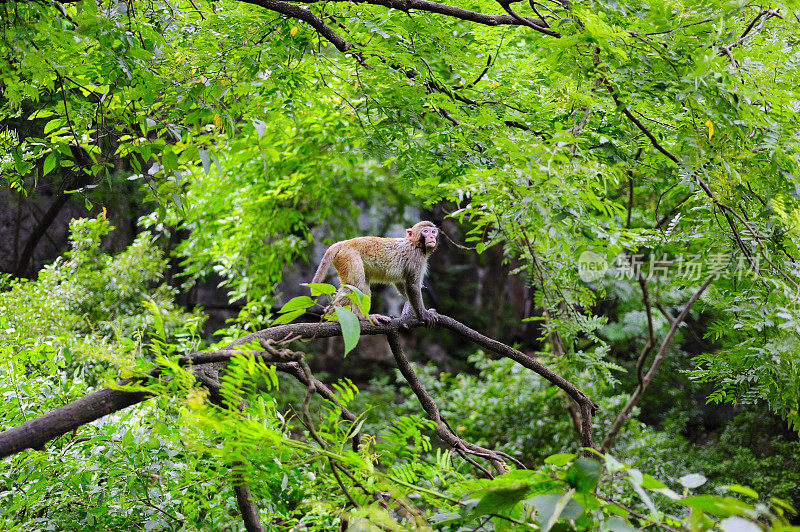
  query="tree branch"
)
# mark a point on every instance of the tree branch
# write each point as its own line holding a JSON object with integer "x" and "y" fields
{"x": 651, "y": 335}
{"x": 244, "y": 500}
{"x": 526, "y": 21}
{"x": 706, "y": 189}
{"x": 645, "y": 382}
{"x": 306, "y": 16}
{"x": 587, "y": 406}
{"x": 429, "y": 405}
{"x": 36, "y": 432}
{"x": 459, "y": 13}
{"x": 764, "y": 15}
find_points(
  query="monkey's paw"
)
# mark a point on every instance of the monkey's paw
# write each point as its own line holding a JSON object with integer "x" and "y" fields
{"x": 430, "y": 317}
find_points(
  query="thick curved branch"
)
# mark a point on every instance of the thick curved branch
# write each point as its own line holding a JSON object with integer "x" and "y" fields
{"x": 462, "y": 14}
{"x": 36, "y": 432}
{"x": 587, "y": 406}
{"x": 526, "y": 21}
{"x": 317, "y": 23}
{"x": 300, "y": 13}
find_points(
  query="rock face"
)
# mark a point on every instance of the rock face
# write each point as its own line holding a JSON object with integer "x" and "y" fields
{"x": 19, "y": 218}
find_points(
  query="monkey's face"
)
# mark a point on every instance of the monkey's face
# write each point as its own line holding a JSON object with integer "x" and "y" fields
{"x": 424, "y": 236}
{"x": 429, "y": 238}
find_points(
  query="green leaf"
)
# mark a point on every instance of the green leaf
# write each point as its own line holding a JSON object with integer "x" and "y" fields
{"x": 299, "y": 302}
{"x": 351, "y": 329}
{"x": 497, "y": 499}
{"x": 666, "y": 492}
{"x": 723, "y": 506}
{"x": 355, "y": 429}
{"x": 288, "y": 317}
{"x": 617, "y": 524}
{"x": 613, "y": 465}
{"x": 54, "y": 124}
{"x": 205, "y": 160}
{"x": 650, "y": 483}
{"x": 318, "y": 289}
{"x": 636, "y": 484}
{"x": 49, "y": 163}
{"x": 260, "y": 126}
{"x": 780, "y": 503}
{"x": 358, "y": 297}
{"x": 553, "y": 506}
{"x": 216, "y": 162}
{"x": 743, "y": 490}
{"x": 584, "y": 474}
{"x": 158, "y": 320}
{"x": 560, "y": 459}
{"x": 40, "y": 113}
{"x": 169, "y": 160}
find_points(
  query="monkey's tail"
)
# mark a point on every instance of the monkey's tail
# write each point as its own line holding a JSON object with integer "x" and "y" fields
{"x": 325, "y": 263}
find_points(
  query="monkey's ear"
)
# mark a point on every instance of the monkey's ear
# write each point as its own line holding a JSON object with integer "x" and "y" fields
{"x": 409, "y": 232}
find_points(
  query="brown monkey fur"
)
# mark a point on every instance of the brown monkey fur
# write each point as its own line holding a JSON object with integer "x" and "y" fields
{"x": 400, "y": 261}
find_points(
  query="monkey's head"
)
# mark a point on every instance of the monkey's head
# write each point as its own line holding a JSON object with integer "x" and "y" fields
{"x": 424, "y": 235}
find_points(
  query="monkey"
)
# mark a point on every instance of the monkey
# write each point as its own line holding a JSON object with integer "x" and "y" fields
{"x": 399, "y": 261}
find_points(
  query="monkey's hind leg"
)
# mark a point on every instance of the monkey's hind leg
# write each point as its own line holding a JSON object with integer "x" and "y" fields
{"x": 374, "y": 318}
{"x": 380, "y": 318}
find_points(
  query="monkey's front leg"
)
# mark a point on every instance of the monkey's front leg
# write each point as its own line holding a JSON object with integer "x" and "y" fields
{"x": 429, "y": 317}
{"x": 413, "y": 286}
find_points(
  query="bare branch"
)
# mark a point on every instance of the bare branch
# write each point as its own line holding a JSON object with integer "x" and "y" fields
{"x": 622, "y": 417}
{"x": 682, "y": 26}
{"x": 587, "y": 407}
{"x": 651, "y": 335}
{"x": 429, "y": 405}
{"x": 627, "y": 112}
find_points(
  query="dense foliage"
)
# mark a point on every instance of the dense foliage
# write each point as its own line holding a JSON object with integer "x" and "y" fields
{"x": 634, "y": 164}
